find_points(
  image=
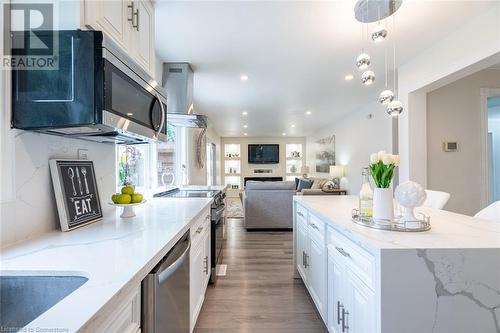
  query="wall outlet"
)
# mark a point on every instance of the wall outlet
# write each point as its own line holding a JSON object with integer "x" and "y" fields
{"x": 83, "y": 154}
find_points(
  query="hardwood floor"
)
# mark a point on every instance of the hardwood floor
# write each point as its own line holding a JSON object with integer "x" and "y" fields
{"x": 258, "y": 293}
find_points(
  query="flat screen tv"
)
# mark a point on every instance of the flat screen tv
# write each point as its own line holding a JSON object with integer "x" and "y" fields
{"x": 263, "y": 153}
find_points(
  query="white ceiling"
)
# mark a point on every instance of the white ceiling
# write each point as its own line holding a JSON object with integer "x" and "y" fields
{"x": 296, "y": 55}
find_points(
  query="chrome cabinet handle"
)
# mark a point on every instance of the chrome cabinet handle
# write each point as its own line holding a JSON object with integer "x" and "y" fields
{"x": 339, "y": 306}
{"x": 306, "y": 264}
{"x": 314, "y": 226}
{"x": 345, "y": 316}
{"x": 300, "y": 214}
{"x": 205, "y": 265}
{"x": 207, "y": 217}
{"x": 134, "y": 13}
{"x": 199, "y": 230}
{"x": 137, "y": 19}
{"x": 343, "y": 252}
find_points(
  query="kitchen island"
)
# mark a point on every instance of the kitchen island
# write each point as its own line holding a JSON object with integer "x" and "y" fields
{"x": 366, "y": 280}
{"x": 114, "y": 254}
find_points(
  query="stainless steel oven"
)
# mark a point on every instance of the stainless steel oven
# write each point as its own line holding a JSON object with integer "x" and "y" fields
{"x": 97, "y": 92}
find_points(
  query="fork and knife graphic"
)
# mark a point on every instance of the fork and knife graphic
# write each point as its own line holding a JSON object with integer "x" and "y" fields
{"x": 71, "y": 174}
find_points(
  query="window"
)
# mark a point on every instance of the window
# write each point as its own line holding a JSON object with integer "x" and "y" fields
{"x": 132, "y": 165}
{"x": 166, "y": 172}
{"x": 155, "y": 164}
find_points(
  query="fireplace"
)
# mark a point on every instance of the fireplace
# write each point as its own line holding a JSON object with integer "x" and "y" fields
{"x": 262, "y": 179}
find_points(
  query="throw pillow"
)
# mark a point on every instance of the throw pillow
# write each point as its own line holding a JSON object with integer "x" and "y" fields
{"x": 304, "y": 184}
{"x": 318, "y": 183}
{"x": 328, "y": 186}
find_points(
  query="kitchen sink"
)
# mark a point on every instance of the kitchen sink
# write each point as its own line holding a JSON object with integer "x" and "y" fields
{"x": 25, "y": 297}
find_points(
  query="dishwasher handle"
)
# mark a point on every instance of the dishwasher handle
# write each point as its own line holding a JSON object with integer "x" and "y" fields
{"x": 169, "y": 267}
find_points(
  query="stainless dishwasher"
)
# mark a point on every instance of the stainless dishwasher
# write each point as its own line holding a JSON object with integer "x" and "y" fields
{"x": 165, "y": 292}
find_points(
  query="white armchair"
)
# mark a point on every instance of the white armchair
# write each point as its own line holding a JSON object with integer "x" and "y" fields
{"x": 491, "y": 213}
{"x": 436, "y": 199}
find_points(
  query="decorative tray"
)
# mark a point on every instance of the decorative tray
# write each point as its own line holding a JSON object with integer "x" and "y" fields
{"x": 398, "y": 224}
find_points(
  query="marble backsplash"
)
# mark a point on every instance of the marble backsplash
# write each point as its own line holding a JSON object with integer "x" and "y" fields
{"x": 27, "y": 205}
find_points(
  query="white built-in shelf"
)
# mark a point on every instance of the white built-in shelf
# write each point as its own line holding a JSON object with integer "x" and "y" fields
{"x": 232, "y": 158}
{"x": 232, "y": 174}
{"x": 294, "y": 158}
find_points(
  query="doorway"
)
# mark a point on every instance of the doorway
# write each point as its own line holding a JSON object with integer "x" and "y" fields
{"x": 493, "y": 148}
{"x": 211, "y": 164}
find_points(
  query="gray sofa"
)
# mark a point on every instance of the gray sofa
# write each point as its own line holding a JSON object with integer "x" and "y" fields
{"x": 268, "y": 205}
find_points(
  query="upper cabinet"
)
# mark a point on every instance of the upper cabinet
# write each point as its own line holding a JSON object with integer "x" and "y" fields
{"x": 130, "y": 24}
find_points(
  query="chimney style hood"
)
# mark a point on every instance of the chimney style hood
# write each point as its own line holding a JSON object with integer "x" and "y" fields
{"x": 178, "y": 82}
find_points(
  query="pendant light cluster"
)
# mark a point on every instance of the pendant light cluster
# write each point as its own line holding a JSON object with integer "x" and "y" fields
{"x": 367, "y": 11}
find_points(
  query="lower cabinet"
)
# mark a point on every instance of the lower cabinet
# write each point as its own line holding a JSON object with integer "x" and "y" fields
{"x": 199, "y": 274}
{"x": 338, "y": 275}
{"x": 125, "y": 318}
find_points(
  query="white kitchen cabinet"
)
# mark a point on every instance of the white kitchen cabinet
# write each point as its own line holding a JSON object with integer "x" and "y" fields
{"x": 350, "y": 301}
{"x": 199, "y": 275}
{"x": 142, "y": 35}
{"x": 338, "y": 275}
{"x": 112, "y": 17}
{"x": 129, "y": 23}
{"x": 126, "y": 317}
{"x": 317, "y": 276}
{"x": 302, "y": 247}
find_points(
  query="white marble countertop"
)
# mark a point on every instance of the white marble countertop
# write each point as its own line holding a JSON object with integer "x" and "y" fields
{"x": 448, "y": 230}
{"x": 112, "y": 254}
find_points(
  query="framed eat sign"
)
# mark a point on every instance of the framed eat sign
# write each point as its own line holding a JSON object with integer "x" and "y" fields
{"x": 76, "y": 193}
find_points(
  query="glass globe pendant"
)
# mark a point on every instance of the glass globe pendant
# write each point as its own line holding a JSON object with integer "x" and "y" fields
{"x": 395, "y": 108}
{"x": 368, "y": 77}
{"x": 363, "y": 61}
{"x": 386, "y": 97}
{"x": 379, "y": 34}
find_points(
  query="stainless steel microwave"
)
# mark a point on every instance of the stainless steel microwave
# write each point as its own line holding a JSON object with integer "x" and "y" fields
{"x": 96, "y": 93}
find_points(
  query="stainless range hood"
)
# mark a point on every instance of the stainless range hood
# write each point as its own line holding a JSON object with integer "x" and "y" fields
{"x": 178, "y": 81}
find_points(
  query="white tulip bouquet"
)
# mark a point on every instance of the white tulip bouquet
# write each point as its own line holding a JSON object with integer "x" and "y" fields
{"x": 382, "y": 167}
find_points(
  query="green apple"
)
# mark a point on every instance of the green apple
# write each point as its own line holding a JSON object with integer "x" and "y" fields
{"x": 115, "y": 196}
{"x": 136, "y": 198}
{"x": 128, "y": 190}
{"x": 123, "y": 199}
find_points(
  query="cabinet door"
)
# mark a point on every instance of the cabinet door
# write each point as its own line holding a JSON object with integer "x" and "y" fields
{"x": 361, "y": 317}
{"x": 110, "y": 16}
{"x": 334, "y": 287}
{"x": 206, "y": 252}
{"x": 302, "y": 249}
{"x": 196, "y": 291}
{"x": 317, "y": 276}
{"x": 142, "y": 46}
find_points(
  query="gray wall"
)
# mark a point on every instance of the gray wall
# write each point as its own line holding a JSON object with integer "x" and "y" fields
{"x": 454, "y": 114}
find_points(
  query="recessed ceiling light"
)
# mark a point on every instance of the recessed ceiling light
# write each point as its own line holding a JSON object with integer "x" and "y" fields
{"x": 245, "y": 126}
{"x": 283, "y": 133}
{"x": 130, "y": 114}
{"x": 349, "y": 77}
{"x": 292, "y": 126}
{"x": 245, "y": 134}
{"x": 244, "y": 113}
{"x": 243, "y": 77}
{"x": 308, "y": 113}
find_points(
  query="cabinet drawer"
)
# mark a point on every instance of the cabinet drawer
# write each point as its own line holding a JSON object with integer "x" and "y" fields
{"x": 198, "y": 227}
{"x": 316, "y": 229}
{"x": 359, "y": 261}
{"x": 127, "y": 318}
{"x": 301, "y": 212}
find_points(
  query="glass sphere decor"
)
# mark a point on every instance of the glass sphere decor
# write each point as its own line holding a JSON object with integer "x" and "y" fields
{"x": 395, "y": 108}
{"x": 386, "y": 97}
{"x": 368, "y": 77}
{"x": 409, "y": 195}
{"x": 363, "y": 61}
{"x": 379, "y": 34}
